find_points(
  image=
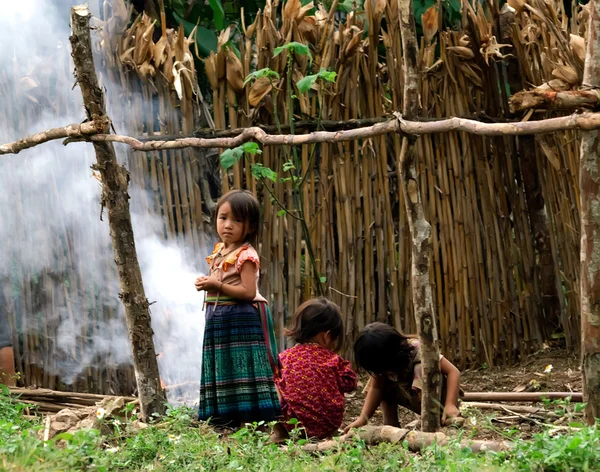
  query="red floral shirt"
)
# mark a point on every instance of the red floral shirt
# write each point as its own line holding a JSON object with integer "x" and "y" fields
{"x": 312, "y": 382}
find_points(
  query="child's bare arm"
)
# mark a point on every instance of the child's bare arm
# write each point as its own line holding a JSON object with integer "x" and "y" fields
{"x": 371, "y": 404}
{"x": 452, "y": 388}
{"x": 245, "y": 291}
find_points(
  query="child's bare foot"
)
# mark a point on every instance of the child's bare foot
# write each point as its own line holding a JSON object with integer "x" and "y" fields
{"x": 279, "y": 434}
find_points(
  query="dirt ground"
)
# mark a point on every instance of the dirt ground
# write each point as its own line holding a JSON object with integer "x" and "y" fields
{"x": 533, "y": 374}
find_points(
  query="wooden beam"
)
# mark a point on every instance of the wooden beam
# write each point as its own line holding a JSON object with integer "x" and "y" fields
{"x": 576, "y": 121}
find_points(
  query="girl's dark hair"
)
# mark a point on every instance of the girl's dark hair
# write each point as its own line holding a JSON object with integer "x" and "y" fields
{"x": 379, "y": 348}
{"x": 245, "y": 207}
{"x": 316, "y": 316}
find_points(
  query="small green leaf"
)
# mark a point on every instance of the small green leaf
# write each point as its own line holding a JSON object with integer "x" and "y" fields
{"x": 261, "y": 172}
{"x": 266, "y": 72}
{"x": 575, "y": 424}
{"x": 230, "y": 157}
{"x": 218, "y": 13}
{"x": 305, "y": 83}
{"x": 294, "y": 48}
{"x": 65, "y": 436}
{"x": 328, "y": 75}
{"x": 293, "y": 421}
{"x": 323, "y": 279}
{"x": 281, "y": 212}
{"x": 287, "y": 166}
{"x": 251, "y": 148}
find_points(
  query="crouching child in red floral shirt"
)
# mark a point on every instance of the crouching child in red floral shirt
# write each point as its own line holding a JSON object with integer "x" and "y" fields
{"x": 313, "y": 379}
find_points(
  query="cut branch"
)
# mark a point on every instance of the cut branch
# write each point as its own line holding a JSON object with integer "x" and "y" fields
{"x": 415, "y": 440}
{"x": 531, "y": 410}
{"x": 69, "y": 131}
{"x": 420, "y": 231}
{"x": 576, "y": 121}
{"x": 554, "y": 100}
{"x": 115, "y": 180}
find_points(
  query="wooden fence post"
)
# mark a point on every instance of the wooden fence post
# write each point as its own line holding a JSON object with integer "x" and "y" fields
{"x": 420, "y": 230}
{"x": 115, "y": 181}
{"x": 589, "y": 183}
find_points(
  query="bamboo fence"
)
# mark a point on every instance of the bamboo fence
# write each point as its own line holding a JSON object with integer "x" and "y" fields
{"x": 486, "y": 270}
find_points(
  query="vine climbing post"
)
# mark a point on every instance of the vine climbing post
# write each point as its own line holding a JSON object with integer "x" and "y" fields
{"x": 420, "y": 230}
{"x": 115, "y": 180}
{"x": 589, "y": 181}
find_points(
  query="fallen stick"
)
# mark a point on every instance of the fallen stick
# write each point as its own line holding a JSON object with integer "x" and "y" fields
{"x": 582, "y": 121}
{"x": 532, "y": 410}
{"x": 415, "y": 440}
{"x": 576, "y": 397}
{"x": 50, "y": 407}
{"x": 47, "y": 393}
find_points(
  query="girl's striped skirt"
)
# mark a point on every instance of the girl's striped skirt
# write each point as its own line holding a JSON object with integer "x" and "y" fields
{"x": 238, "y": 362}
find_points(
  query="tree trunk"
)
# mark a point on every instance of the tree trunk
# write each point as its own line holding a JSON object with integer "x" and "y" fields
{"x": 420, "y": 231}
{"x": 589, "y": 181}
{"x": 115, "y": 180}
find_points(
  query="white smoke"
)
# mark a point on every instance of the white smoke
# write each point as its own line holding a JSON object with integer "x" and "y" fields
{"x": 50, "y": 220}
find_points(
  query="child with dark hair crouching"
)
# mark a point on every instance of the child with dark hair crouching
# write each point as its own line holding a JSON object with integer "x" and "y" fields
{"x": 394, "y": 362}
{"x": 313, "y": 379}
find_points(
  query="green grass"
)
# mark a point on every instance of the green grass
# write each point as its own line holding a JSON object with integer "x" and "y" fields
{"x": 179, "y": 443}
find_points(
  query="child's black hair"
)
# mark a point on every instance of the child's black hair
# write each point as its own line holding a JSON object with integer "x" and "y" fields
{"x": 245, "y": 207}
{"x": 380, "y": 348}
{"x": 316, "y": 316}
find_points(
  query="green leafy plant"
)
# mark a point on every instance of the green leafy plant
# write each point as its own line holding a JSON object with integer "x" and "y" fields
{"x": 306, "y": 83}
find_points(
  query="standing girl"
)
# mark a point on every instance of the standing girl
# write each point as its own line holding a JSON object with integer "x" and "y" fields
{"x": 394, "y": 362}
{"x": 239, "y": 355}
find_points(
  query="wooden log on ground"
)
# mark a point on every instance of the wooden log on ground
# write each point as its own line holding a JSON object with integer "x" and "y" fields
{"x": 115, "y": 182}
{"x": 520, "y": 396}
{"x": 554, "y": 100}
{"x": 416, "y": 440}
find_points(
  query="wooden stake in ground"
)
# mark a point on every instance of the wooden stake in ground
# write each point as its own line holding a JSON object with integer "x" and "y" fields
{"x": 115, "y": 180}
{"x": 589, "y": 181}
{"x": 420, "y": 231}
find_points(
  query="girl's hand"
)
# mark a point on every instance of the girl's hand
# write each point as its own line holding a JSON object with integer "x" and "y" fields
{"x": 450, "y": 412}
{"x": 208, "y": 283}
{"x": 357, "y": 423}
